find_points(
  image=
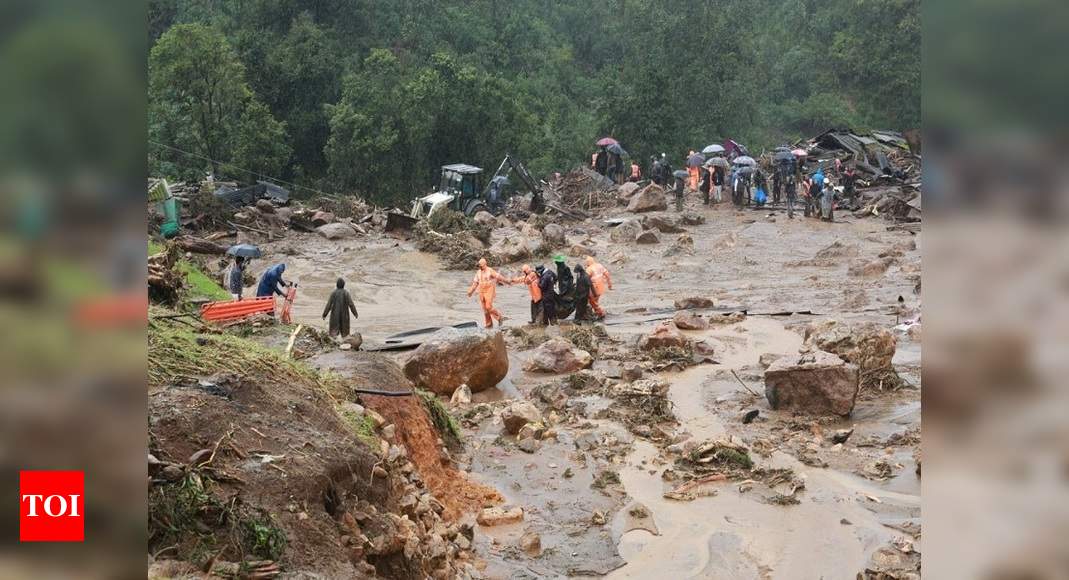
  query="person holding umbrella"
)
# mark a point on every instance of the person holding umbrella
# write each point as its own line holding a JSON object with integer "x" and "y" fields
{"x": 235, "y": 279}
{"x": 692, "y": 171}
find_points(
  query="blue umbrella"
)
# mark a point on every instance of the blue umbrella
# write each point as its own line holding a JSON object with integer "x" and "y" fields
{"x": 244, "y": 251}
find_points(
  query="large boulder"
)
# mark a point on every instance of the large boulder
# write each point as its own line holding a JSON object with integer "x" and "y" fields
{"x": 694, "y": 302}
{"x": 558, "y": 355}
{"x": 322, "y": 218}
{"x": 664, "y": 336}
{"x": 870, "y": 268}
{"x": 518, "y": 414}
{"x": 649, "y": 198}
{"x": 626, "y": 232}
{"x": 665, "y": 224}
{"x": 648, "y": 237}
{"x": 553, "y": 236}
{"x": 337, "y": 231}
{"x": 452, "y": 357}
{"x": 486, "y": 218}
{"x": 626, "y": 191}
{"x": 511, "y": 247}
{"x": 865, "y": 344}
{"x": 815, "y": 383}
{"x": 687, "y": 320}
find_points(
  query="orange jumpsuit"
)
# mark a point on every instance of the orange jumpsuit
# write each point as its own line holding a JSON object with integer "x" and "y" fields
{"x": 530, "y": 279}
{"x": 601, "y": 281}
{"x": 485, "y": 282}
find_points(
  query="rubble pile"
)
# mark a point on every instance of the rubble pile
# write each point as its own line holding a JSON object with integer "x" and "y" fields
{"x": 585, "y": 189}
{"x": 164, "y": 279}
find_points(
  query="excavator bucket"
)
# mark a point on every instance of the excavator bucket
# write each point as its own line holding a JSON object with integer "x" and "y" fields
{"x": 399, "y": 222}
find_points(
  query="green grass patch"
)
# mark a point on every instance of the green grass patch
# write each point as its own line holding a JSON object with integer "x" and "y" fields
{"x": 443, "y": 421}
{"x": 198, "y": 284}
{"x": 176, "y": 351}
{"x": 363, "y": 427}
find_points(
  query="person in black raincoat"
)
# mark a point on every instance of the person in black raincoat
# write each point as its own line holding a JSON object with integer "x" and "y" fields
{"x": 546, "y": 282}
{"x": 339, "y": 305}
{"x": 583, "y": 287}
{"x": 565, "y": 289}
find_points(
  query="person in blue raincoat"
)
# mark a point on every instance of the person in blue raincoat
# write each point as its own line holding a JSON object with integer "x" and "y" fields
{"x": 270, "y": 281}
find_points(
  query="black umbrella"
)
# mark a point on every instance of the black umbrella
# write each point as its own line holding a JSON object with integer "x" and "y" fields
{"x": 244, "y": 251}
{"x": 783, "y": 154}
{"x": 615, "y": 148}
{"x": 717, "y": 162}
{"x": 783, "y": 148}
{"x": 695, "y": 160}
{"x": 680, "y": 173}
{"x": 745, "y": 169}
{"x": 745, "y": 160}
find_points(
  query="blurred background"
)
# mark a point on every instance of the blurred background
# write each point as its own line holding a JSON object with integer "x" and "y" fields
{"x": 72, "y": 275}
{"x": 996, "y": 280}
{"x": 996, "y": 438}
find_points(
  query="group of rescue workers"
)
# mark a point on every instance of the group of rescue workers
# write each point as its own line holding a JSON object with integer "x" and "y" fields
{"x": 554, "y": 295}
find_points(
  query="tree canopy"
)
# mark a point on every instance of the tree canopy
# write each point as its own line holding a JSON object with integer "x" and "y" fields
{"x": 371, "y": 97}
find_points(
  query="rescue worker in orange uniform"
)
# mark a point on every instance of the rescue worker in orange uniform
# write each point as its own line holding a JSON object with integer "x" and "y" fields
{"x": 636, "y": 171}
{"x": 601, "y": 281}
{"x": 530, "y": 279}
{"x": 692, "y": 174}
{"x": 486, "y": 281}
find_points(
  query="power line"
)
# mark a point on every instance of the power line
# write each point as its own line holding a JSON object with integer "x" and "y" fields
{"x": 249, "y": 171}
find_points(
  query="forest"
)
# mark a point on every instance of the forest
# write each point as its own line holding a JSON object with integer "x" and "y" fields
{"x": 370, "y": 97}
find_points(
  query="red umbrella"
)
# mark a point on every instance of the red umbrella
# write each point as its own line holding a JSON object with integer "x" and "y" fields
{"x": 605, "y": 142}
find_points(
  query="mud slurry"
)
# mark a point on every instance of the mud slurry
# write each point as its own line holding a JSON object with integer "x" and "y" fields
{"x": 858, "y": 508}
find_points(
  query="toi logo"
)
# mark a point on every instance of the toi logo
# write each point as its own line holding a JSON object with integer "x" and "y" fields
{"x": 51, "y": 506}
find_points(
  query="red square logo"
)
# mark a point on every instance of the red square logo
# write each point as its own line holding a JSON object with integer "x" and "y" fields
{"x": 51, "y": 506}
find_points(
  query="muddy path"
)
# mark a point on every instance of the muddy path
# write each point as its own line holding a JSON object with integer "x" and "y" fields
{"x": 759, "y": 261}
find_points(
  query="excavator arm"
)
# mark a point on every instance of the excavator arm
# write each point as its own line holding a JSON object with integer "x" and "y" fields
{"x": 507, "y": 167}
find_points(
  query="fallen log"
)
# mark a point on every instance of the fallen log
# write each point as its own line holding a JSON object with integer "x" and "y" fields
{"x": 200, "y": 246}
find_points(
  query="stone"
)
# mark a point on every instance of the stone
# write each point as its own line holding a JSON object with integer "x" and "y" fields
{"x": 649, "y": 198}
{"x": 512, "y": 248}
{"x": 336, "y": 231}
{"x": 766, "y": 359}
{"x": 518, "y": 414}
{"x": 531, "y": 544}
{"x": 461, "y": 396}
{"x": 704, "y": 351}
{"x": 452, "y": 357}
{"x": 558, "y": 355}
{"x": 265, "y": 206}
{"x": 664, "y": 336}
{"x": 631, "y": 372}
{"x": 865, "y": 344}
{"x": 581, "y": 250}
{"x": 353, "y": 408}
{"x": 693, "y": 219}
{"x": 496, "y": 516}
{"x": 626, "y": 232}
{"x": 626, "y": 191}
{"x": 553, "y": 236}
{"x": 686, "y": 320}
{"x": 485, "y": 218}
{"x": 529, "y": 445}
{"x": 353, "y": 341}
{"x": 389, "y": 431}
{"x": 662, "y": 223}
{"x": 816, "y": 383}
{"x": 322, "y": 218}
{"x": 694, "y": 302}
{"x": 531, "y": 431}
{"x": 375, "y": 417}
{"x": 871, "y": 268}
{"x": 648, "y": 237}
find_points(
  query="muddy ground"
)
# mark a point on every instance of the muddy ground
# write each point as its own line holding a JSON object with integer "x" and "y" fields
{"x": 594, "y": 492}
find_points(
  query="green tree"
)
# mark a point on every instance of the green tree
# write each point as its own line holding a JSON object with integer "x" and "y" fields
{"x": 201, "y": 104}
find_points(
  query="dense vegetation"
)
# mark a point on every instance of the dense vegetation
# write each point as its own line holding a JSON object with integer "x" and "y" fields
{"x": 371, "y": 97}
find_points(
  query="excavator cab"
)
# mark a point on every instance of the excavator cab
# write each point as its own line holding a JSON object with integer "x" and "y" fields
{"x": 460, "y": 187}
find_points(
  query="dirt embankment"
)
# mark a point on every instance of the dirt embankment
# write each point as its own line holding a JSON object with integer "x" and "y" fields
{"x": 268, "y": 469}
